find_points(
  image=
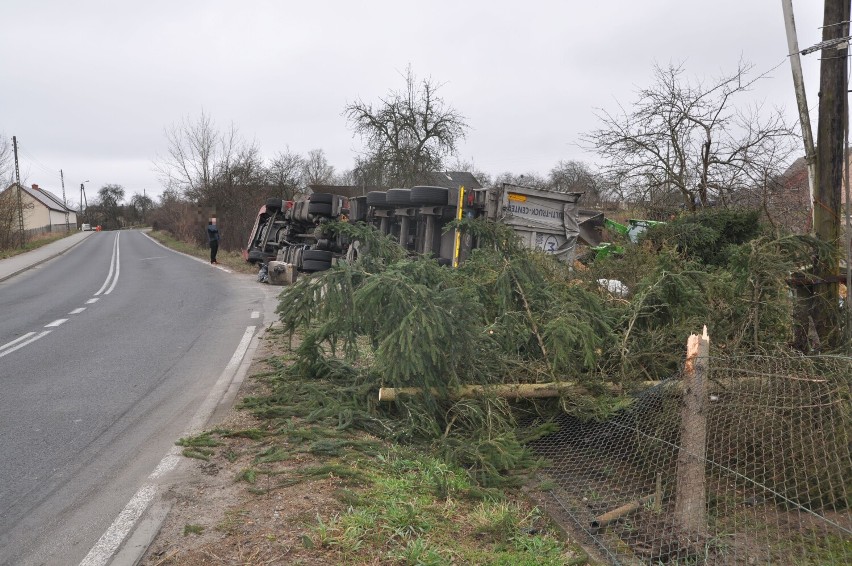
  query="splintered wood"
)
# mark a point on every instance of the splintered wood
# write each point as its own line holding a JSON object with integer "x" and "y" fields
{"x": 690, "y": 490}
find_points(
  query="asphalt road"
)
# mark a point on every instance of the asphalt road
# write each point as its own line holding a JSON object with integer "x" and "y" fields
{"x": 106, "y": 353}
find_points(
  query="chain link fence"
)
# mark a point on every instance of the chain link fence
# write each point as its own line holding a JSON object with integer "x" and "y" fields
{"x": 777, "y": 469}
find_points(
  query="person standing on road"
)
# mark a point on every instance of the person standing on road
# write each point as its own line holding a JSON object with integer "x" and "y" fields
{"x": 213, "y": 238}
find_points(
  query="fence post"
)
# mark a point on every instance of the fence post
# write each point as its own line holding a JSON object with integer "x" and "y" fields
{"x": 690, "y": 487}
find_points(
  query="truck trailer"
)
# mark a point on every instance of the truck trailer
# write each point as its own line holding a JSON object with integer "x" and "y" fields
{"x": 296, "y": 231}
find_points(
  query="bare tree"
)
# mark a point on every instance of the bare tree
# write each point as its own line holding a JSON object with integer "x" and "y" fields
{"x": 316, "y": 169}
{"x": 7, "y": 162}
{"x": 369, "y": 172}
{"x": 197, "y": 151}
{"x": 285, "y": 173}
{"x": 687, "y": 137}
{"x": 470, "y": 167}
{"x": 345, "y": 178}
{"x": 176, "y": 214}
{"x": 408, "y": 132}
{"x": 530, "y": 179}
{"x": 576, "y": 177}
{"x": 219, "y": 173}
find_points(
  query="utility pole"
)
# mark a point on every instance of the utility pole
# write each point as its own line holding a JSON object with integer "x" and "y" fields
{"x": 830, "y": 160}
{"x": 65, "y": 203}
{"x": 20, "y": 198}
{"x": 82, "y": 195}
{"x": 801, "y": 101}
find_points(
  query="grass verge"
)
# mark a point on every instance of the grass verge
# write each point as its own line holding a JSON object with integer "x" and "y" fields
{"x": 32, "y": 244}
{"x": 379, "y": 502}
{"x": 231, "y": 260}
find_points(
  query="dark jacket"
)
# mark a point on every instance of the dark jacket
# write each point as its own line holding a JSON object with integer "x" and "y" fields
{"x": 212, "y": 233}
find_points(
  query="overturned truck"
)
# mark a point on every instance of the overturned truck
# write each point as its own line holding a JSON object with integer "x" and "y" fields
{"x": 296, "y": 232}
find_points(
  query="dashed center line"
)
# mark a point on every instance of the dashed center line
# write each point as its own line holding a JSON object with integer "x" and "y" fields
{"x": 77, "y": 311}
{"x": 255, "y": 314}
{"x": 90, "y": 301}
{"x": 57, "y": 322}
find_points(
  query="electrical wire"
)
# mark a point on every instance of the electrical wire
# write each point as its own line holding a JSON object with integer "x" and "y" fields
{"x": 45, "y": 170}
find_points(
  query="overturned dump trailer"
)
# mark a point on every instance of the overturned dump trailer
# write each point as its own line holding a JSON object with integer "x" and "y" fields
{"x": 295, "y": 232}
{"x": 545, "y": 220}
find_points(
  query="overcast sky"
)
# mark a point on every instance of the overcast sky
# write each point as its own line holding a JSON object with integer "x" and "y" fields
{"x": 89, "y": 87}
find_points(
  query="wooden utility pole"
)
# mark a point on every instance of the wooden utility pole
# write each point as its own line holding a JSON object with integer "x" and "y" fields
{"x": 801, "y": 100}
{"x": 20, "y": 196}
{"x": 65, "y": 203}
{"x": 830, "y": 158}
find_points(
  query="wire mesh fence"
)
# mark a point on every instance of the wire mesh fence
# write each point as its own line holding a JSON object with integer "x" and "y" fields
{"x": 777, "y": 469}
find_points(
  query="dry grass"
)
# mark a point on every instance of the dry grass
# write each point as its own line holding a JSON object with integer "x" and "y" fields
{"x": 231, "y": 259}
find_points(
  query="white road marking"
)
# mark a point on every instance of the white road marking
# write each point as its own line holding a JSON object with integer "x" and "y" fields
{"x": 117, "y": 266}
{"x": 4, "y": 350}
{"x": 57, "y": 322}
{"x": 167, "y": 464}
{"x": 255, "y": 314}
{"x": 209, "y": 404}
{"x": 106, "y": 546}
{"x": 110, "y": 541}
{"x": 77, "y": 311}
{"x": 16, "y": 340}
{"x": 113, "y": 268}
{"x": 90, "y": 301}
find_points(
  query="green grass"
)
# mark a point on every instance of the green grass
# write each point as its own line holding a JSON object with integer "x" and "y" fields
{"x": 416, "y": 509}
{"x": 189, "y": 529}
{"x": 395, "y": 504}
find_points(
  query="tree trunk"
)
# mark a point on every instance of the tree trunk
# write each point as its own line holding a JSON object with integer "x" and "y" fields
{"x": 690, "y": 489}
{"x": 832, "y": 117}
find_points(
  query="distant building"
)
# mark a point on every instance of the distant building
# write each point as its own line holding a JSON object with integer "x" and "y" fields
{"x": 43, "y": 211}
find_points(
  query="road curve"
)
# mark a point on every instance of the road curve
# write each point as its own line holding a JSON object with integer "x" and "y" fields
{"x": 106, "y": 353}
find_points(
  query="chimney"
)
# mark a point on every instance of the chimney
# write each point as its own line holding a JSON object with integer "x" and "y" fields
{"x": 35, "y": 187}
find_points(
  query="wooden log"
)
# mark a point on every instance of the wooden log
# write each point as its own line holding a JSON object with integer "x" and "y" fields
{"x": 504, "y": 390}
{"x": 690, "y": 511}
{"x": 611, "y": 516}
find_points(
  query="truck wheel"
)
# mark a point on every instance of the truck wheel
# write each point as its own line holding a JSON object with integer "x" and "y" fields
{"x": 311, "y": 265}
{"x": 324, "y": 198}
{"x": 398, "y": 197}
{"x": 321, "y": 208}
{"x": 429, "y": 195}
{"x": 317, "y": 255}
{"x": 274, "y": 203}
{"x": 377, "y": 198}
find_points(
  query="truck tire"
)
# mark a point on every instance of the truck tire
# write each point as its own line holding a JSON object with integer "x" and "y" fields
{"x": 274, "y": 203}
{"x": 429, "y": 195}
{"x": 377, "y": 198}
{"x": 311, "y": 265}
{"x": 255, "y": 256}
{"x": 324, "y": 198}
{"x": 317, "y": 255}
{"x": 398, "y": 197}
{"x": 320, "y": 208}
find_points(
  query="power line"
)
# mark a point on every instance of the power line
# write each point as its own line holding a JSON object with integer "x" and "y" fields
{"x": 45, "y": 170}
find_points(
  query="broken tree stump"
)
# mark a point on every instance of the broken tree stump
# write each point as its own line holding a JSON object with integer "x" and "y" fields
{"x": 690, "y": 511}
